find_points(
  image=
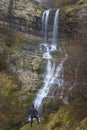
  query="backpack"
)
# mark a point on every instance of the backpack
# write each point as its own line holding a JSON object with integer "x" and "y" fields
{"x": 35, "y": 112}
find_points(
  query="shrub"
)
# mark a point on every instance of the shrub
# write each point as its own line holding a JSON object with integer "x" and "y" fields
{"x": 56, "y": 125}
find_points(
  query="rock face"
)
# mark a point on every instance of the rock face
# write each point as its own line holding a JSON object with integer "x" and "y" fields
{"x": 50, "y": 3}
{"x": 25, "y": 16}
{"x": 25, "y": 67}
{"x": 73, "y": 41}
{"x": 20, "y": 71}
{"x": 22, "y": 15}
{"x": 72, "y": 22}
{"x": 4, "y": 6}
{"x": 56, "y": 3}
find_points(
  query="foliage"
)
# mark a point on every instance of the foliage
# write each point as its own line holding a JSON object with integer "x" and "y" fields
{"x": 9, "y": 36}
{"x": 56, "y": 124}
{"x": 51, "y": 105}
{"x": 80, "y": 2}
{"x": 13, "y": 107}
{"x": 82, "y": 124}
{"x": 64, "y": 2}
{"x": 14, "y": 103}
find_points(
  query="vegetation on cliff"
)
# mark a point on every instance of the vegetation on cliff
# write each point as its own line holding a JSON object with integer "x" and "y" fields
{"x": 15, "y": 95}
{"x": 72, "y": 117}
{"x": 61, "y": 3}
{"x": 16, "y": 90}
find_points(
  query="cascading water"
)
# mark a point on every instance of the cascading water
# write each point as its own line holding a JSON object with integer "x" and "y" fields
{"x": 55, "y": 28}
{"x": 54, "y": 70}
{"x": 45, "y": 19}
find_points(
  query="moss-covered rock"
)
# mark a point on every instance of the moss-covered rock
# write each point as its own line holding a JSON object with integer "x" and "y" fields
{"x": 19, "y": 79}
{"x": 22, "y": 15}
{"x": 80, "y": 2}
{"x": 72, "y": 21}
{"x": 18, "y": 91}
{"x": 82, "y": 124}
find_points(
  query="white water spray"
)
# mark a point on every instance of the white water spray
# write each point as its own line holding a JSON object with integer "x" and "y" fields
{"x": 55, "y": 28}
{"x": 45, "y": 19}
{"x": 54, "y": 70}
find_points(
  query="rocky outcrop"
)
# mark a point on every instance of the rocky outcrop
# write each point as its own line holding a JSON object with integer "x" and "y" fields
{"x": 50, "y": 3}
{"x": 21, "y": 68}
{"x": 24, "y": 62}
{"x": 73, "y": 41}
{"x": 22, "y": 15}
{"x": 72, "y": 22}
{"x": 57, "y": 3}
{"x": 4, "y": 6}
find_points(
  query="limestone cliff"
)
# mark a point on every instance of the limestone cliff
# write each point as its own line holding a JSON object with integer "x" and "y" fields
{"x": 20, "y": 63}
{"x": 21, "y": 68}
{"x": 72, "y": 22}
{"x": 73, "y": 41}
{"x": 22, "y": 15}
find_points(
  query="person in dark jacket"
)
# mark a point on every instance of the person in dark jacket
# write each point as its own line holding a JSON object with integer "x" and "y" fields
{"x": 33, "y": 114}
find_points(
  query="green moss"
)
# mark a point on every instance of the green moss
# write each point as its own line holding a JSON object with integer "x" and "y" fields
{"x": 51, "y": 105}
{"x": 12, "y": 40}
{"x": 57, "y": 124}
{"x": 39, "y": 85}
{"x": 9, "y": 40}
{"x": 14, "y": 105}
{"x": 70, "y": 11}
{"x": 26, "y": 127}
{"x": 82, "y": 124}
{"x": 69, "y": 117}
{"x": 67, "y": 13}
{"x": 40, "y": 66}
{"x": 80, "y": 2}
{"x": 34, "y": 127}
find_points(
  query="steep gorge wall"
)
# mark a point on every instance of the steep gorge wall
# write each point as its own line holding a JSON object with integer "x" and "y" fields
{"x": 73, "y": 34}
{"x": 57, "y": 3}
{"x": 25, "y": 16}
{"x": 4, "y": 5}
{"x": 22, "y": 15}
{"x": 72, "y": 28}
{"x": 73, "y": 41}
{"x": 73, "y": 22}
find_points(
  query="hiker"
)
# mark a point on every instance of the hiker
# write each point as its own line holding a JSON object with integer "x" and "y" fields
{"x": 33, "y": 114}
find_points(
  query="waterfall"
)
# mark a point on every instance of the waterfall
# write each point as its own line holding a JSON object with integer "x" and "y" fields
{"x": 54, "y": 69}
{"x": 53, "y": 72}
{"x": 45, "y": 19}
{"x": 55, "y": 28}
